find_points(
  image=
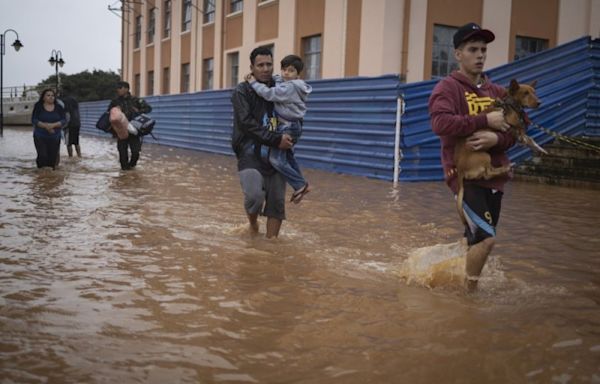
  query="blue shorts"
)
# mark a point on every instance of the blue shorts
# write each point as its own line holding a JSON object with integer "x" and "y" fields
{"x": 482, "y": 211}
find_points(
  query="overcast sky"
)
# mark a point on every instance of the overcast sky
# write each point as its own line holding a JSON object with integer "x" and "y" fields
{"x": 85, "y": 31}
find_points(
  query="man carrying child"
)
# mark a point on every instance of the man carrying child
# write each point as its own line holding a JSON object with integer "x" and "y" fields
{"x": 289, "y": 98}
{"x": 263, "y": 186}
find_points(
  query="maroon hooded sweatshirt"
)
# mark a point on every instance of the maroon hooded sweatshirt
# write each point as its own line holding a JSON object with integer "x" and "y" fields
{"x": 456, "y": 107}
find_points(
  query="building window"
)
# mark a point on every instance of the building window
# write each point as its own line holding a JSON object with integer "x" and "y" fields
{"x": 167, "y": 19}
{"x": 236, "y": 6}
{"x": 527, "y": 46}
{"x": 138, "y": 31}
{"x": 209, "y": 11}
{"x": 234, "y": 68}
{"x": 207, "y": 74}
{"x": 151, "y": 25}
{"x": 136, "y": 84}
{"x": 442, "y": 55}
{"x": 185, "y": 78}
{"x": 166, "y": 81}
{"x": 150, "y": 85}
{"x": 311, "y": 48}
{"x": 186, "y": 16}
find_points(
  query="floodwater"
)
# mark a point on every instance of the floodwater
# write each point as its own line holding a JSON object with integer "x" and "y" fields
{"x": 150, "y": 276}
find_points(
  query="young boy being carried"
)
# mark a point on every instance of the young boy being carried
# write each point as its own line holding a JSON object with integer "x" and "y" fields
{"x": 289, "y": 98}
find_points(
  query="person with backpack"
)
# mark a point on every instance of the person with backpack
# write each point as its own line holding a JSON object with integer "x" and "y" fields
{"x": 123, "y": 109}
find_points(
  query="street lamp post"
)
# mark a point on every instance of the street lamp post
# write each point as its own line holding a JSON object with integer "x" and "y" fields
{"x": 17, "y": 45}
{"x": 56, "y": 60}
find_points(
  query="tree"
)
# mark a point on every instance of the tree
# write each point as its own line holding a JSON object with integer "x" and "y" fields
{"x": 86, "y": 85}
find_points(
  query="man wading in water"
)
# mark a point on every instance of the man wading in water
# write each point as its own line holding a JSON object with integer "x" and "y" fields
{"x": 457, "y": 106}
{"x": 253, "y": 133}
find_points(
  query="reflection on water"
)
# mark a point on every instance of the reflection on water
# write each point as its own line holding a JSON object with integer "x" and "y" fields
{"x": 150, "y": 276}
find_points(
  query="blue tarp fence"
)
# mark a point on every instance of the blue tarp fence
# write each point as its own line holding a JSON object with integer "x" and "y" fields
{"x": 353, "y": 124}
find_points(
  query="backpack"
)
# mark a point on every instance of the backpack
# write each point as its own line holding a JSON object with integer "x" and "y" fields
{"x": 144, "y": 124}
{"x": 103, "y": 122}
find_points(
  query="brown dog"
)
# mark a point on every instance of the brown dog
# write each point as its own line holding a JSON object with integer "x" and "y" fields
{"x": 472, "y": 165}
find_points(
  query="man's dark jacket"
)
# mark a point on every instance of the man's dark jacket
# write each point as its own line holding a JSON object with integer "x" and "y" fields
{"x": 251, "y": 129}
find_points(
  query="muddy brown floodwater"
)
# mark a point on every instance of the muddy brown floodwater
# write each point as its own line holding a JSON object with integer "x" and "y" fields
{"x": 150, "y": 276}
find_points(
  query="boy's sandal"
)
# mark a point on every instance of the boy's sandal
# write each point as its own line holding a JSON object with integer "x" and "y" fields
{"x": 299, "y": 194}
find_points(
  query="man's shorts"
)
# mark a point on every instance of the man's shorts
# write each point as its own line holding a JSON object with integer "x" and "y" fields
{"x": 482, "y": 211}
{"x": 260, "y": 190}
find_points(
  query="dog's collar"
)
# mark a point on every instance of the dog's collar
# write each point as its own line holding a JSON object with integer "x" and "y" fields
{"x": 509, "y": 103}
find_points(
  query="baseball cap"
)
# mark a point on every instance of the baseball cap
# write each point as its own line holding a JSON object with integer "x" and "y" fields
{"x": 123, "y": 84}
{"x": 471, "y": 30}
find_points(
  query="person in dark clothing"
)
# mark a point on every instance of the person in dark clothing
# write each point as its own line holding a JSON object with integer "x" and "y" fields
{"x": 254, "y": 131}
{"x": 457, "y": 107}
{"x": 122, "y": 109}
{"x": 289, "y": 97}
{"x": 73, "y": 125}
{"x": 48, "y": 117}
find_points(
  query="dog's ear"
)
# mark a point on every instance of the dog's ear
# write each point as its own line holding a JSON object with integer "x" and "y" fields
{"x": 513, "y": 87}
{"x": 533, "y": 83}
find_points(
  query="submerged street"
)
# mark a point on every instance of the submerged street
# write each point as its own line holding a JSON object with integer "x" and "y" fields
{"x": 151, "y": 276}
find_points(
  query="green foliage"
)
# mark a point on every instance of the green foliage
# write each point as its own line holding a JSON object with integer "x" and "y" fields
{"x": 86, "y": 85}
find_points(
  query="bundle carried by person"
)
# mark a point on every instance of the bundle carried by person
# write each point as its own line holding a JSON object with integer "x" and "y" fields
{"x": 142, "y": 124}
{"x": 103, "y": 122}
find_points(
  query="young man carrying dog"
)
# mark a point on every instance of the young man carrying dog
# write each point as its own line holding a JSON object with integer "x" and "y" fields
{"x": 456, "y": 107}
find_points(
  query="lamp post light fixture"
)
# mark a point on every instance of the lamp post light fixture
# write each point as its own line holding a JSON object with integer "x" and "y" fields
{"x": 56, "y": 60}
{"x": 16, "y": 45}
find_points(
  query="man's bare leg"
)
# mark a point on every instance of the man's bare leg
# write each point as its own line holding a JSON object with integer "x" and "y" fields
{"x": 253, "y": 220}
{"x": 78, "y": 149}
{"x": 70, "y": 150}
{"x": 273, "y": 226}
{"x": 476, "y": 257}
